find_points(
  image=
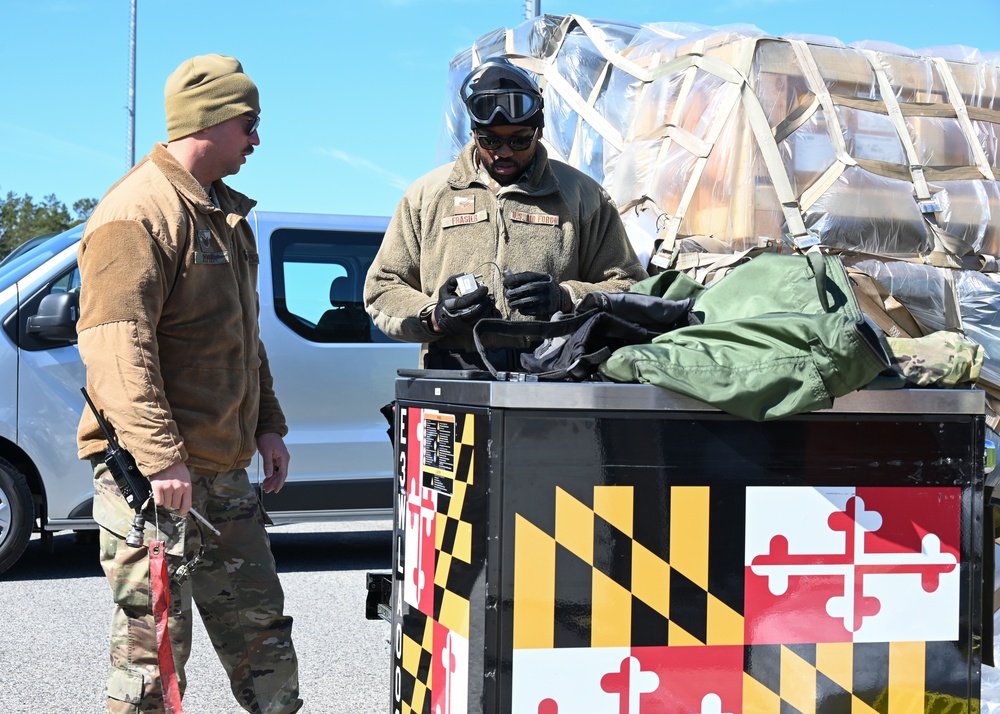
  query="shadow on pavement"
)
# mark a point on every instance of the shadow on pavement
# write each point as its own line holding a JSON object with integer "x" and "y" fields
{"x": 332, "y": 551}
{"x": 72, "y": 556}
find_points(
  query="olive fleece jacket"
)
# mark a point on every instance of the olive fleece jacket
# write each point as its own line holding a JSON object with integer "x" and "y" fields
{"x": 168, "y": 326}
{"x": 556, "y": 220}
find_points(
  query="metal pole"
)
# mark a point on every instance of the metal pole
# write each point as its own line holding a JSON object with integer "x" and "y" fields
{"x": 532, "y": 8}
{"x": 131, "y": 90}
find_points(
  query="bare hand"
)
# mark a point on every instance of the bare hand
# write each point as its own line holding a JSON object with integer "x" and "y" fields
{"x": 275, "y": 457}
{"x": 172, "y": 488}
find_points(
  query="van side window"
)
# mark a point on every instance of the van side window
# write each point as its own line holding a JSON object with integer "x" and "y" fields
{"x": 318, "y": 277}
{"x": 68, "y": 283}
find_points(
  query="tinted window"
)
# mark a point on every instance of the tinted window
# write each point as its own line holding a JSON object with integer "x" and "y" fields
{"x": 318, "y": 277}
{"x": 68, "y": 283}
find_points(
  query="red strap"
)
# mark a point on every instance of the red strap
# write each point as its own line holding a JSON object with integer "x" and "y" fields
{"x": 159, "y": 581}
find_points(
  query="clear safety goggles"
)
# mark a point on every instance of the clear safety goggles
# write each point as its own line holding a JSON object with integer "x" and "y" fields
{"x": 514, "y": 104}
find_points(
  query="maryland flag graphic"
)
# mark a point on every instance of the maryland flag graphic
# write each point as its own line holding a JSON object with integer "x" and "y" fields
{"x": 633, "y": 598}
{"x": 440, "y": 562}
{"x": 839, "y": 603}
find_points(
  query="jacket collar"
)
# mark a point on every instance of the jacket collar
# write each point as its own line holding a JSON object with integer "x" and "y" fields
{"x": 538, "y": 181}
{"x": 230, "y": 201}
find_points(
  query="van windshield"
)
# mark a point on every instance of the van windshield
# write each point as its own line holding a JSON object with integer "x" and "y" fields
{"x": 20, "y": 265}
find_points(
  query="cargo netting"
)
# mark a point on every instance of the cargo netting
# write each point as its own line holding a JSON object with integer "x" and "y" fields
{"x": 719, "y": 142}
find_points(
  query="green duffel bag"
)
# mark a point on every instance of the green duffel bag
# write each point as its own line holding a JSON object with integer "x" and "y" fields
{"x": 781, "y": 335}
{"x": 771, "y": 282}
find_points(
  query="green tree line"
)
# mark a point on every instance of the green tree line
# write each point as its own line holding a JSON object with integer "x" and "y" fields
{"x": 21, "y": 218}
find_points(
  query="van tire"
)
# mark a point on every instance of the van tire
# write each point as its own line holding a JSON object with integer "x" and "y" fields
{"x": 16, "y": 514}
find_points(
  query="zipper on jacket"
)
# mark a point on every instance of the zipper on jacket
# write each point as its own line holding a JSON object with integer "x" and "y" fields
{"x": 231, "y": 235}
{"x": 503, "y": 235}
{"x": 501, "y": 240}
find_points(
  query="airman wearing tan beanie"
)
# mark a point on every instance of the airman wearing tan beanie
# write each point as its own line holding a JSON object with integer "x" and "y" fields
{"x": 205, "y": 91}
{"x": 170, "y": 260}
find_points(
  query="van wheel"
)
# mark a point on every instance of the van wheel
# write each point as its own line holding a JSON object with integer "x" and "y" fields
{"x": 16, "y": 514}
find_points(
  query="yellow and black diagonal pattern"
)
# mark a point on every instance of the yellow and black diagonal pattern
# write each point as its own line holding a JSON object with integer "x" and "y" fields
{"x": 459, "y": 557}
{"x": 455, "y": 548}
{"x": 833, "y": 678}
{"x": 416, "y": 663}
{"x": 629, "y": 588}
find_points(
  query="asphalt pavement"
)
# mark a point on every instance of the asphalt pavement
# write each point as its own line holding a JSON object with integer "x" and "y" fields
{"x": 55, "y": 612}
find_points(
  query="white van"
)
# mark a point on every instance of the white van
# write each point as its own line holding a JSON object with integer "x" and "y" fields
{"x": 333, "y": 370}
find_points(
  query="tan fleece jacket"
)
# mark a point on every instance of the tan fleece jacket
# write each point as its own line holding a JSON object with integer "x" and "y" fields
{"x": 557, "y": 220}
{"x": 168, "y": 322}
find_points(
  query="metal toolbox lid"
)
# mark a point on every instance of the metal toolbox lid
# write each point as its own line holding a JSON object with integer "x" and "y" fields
{"x": 640, "y": 397}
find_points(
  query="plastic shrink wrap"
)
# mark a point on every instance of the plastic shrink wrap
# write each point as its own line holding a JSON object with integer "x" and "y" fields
{"x": 718, "y": 141}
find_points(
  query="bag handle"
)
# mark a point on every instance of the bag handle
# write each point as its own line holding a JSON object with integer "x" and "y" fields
{"x": 534, "y": 329}
{"x": 817, "y": 262}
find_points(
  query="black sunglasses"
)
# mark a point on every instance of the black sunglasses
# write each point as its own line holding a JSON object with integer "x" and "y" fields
{"x": 516, "y": 143}
{"x": 253, "y": 121}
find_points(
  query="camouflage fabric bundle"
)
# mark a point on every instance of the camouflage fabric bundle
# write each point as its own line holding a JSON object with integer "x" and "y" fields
{"x": 940, "y": 359}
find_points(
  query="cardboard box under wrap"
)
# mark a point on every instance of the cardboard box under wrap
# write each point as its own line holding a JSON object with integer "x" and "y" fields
{"x": 716, "y": 141}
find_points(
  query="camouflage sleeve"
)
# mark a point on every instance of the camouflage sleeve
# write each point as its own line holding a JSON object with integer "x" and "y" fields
{"x": 940, "y": 359}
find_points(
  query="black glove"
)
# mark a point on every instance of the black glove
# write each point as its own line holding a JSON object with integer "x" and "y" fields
{"x": 456, "y": 313}
{"x": 536, "y": 294}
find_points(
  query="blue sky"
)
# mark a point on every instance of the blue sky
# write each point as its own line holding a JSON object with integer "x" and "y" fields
{"x": 352, "y": 93}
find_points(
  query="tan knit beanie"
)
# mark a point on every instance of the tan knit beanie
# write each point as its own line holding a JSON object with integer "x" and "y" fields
{"x": 205, "y": 91}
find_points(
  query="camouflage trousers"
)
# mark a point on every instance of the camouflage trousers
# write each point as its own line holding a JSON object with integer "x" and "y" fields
{"x": 231, "y": 578}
